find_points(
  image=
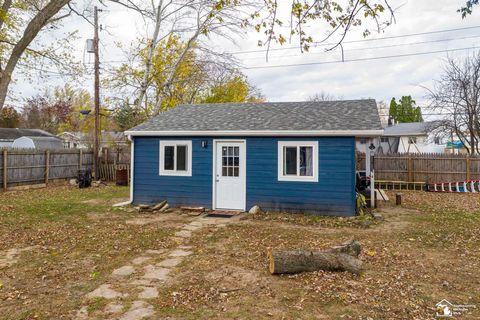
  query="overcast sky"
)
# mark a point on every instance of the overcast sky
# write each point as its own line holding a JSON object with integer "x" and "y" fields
{"x": 381, "y": 79}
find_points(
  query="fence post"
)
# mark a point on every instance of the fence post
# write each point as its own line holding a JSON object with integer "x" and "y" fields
{"x": 467, "y": 163}
{"x": 47, "y": 165}
{"x": 80, "y": 158}
{"x": 5, "y": 168}
{"x": 410, "y": 170}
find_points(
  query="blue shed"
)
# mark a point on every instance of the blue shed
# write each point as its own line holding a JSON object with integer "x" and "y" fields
{"x": 291, "y": 156}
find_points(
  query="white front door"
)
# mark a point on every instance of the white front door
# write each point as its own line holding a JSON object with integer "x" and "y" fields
{"x": 230, "y": 176}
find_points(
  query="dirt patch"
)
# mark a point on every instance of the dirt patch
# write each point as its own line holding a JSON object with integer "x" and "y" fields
{"x": 93, "y": 201}
{"x": 10, "y": 257}
{"x": 144, "y": 219}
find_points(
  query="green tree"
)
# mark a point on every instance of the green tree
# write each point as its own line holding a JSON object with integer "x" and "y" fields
{"x": 235, "y": 89}
{"x": 126, "y": 116}
{"x": 405, "y": 110}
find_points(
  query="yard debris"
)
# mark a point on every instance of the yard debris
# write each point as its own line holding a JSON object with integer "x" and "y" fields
{"x": 377, "y": 216}
{"x": 338, "y": 258}
{"x": 255, "y": 210}
{"x": 159, "y": 205}
{"x": 193, "y": 209}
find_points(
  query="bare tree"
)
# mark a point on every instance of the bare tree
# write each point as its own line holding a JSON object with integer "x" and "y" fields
{"x": 44, "y": 14}
{"x": 457, "y": 95}
{"x": 191, "y": 20}
{"x": 23, "y": 22}
{"x": 323, "y": 96}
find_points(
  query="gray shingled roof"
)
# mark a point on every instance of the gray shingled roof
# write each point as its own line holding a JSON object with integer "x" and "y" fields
{"x": 14, "y": 133}
{"x": 409, "y": 129}
{"x": 268, "y": 116}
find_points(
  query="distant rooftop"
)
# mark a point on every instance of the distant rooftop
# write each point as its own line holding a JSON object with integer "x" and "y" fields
{"x": 409, "y": 129}
{"x": 14, "y": 133}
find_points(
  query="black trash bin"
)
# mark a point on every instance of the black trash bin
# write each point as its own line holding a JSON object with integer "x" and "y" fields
{"x": 84, "y": 178}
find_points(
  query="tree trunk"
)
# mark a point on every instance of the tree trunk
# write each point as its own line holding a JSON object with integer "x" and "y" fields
{"x": 151, "y": 53}
{"x": 339, "y": 258}
{"x": 33, "y": 28}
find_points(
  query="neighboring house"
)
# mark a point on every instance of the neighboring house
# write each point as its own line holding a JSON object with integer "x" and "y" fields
{"x": 455, "y": 147}
{"x": 294, "y": 156}
{"x": 9, "y": 135}
{"x": 72, "y": 140}
{"x": 407, "y": 137}
{"x": 80, "y": 140}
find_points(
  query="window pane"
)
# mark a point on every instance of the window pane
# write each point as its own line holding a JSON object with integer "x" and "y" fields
{"x": 224, "y": 151}
{"x": 181, "y": 158}
{"x": 235, "y": 172}
{"x": 168, "y": 157}
{"x": 306, "y": 161}
{"x": 230, "y": 171}
{"x": 230, "y": 161}
{"x": 224, "y": 171}
{"x": 236, "y": 161}
{"x": 236, "y": 151}
{"x": 290, "y": 161}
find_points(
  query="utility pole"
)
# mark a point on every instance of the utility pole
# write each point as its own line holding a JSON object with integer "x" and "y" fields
{"x": 97, "y": 96}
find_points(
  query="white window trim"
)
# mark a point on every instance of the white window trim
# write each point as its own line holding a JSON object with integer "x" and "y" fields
{"x": 174, "y": 143}
{"x": 282, "y": 177}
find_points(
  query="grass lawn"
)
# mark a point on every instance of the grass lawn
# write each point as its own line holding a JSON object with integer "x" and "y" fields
{"x": 75, "y": 238}
{"x": 423, "y": 252}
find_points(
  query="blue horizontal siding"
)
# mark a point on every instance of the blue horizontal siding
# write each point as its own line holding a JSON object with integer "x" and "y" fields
{"x": 150, "y": 187}
{"x": 333, "y": 194}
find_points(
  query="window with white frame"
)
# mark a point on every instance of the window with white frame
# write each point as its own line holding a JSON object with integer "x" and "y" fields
{"x": 176, "y": 158}
{"x": 298, "y": 161}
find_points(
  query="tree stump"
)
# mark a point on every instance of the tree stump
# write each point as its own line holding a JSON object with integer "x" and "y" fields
{"x": 339, "y": 258}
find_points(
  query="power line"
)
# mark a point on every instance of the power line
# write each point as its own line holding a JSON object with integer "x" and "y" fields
{"x": 359, "y": 59}
{"x": 320, "y": 44}
{"x": 369, "y": 48}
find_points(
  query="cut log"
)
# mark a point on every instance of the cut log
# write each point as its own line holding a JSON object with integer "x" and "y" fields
{"x": 194, "y": 209}
{"x": 159, "y": 205}
{"x": 338, "y": 258}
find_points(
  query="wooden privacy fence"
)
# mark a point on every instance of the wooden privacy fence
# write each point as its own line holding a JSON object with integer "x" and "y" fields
{"x": 425, "y": 168}
{"x": 29, "y": 166}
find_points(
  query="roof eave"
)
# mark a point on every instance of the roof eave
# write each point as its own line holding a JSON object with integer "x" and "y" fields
{"x": 283, "y": 133}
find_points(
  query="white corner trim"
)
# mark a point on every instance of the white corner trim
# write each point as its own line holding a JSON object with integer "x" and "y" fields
{"x": 132, "y": 164}
{"x": 265, "y": 133}
{"x": 298, "y": 178}
{"x": 163, "y": 144}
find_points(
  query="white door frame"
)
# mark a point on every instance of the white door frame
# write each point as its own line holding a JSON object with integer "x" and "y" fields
{"x": 243, "y": 169}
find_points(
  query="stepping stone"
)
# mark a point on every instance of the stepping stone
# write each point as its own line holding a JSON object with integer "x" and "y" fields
{"x": 196, "y": 223}
{"x": 169, "y": 263}
{"x": 183, "y": 234}
{"x": 156, "y": 273}
{"x": 142, "y": 282}
{"x": 191, "y": 228}
{"x": 180, "y": 253}
{"x": 113, "y": 308}
{"x": 148, "y": 293}
{"x": 140, "y": 260}
{"x": 104, "y": 291}
{"x": 138, "y": 311}
{"x": 82, "y": 314}
{"x": 124, "y": 271}
{"x": 159, "y": 251}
